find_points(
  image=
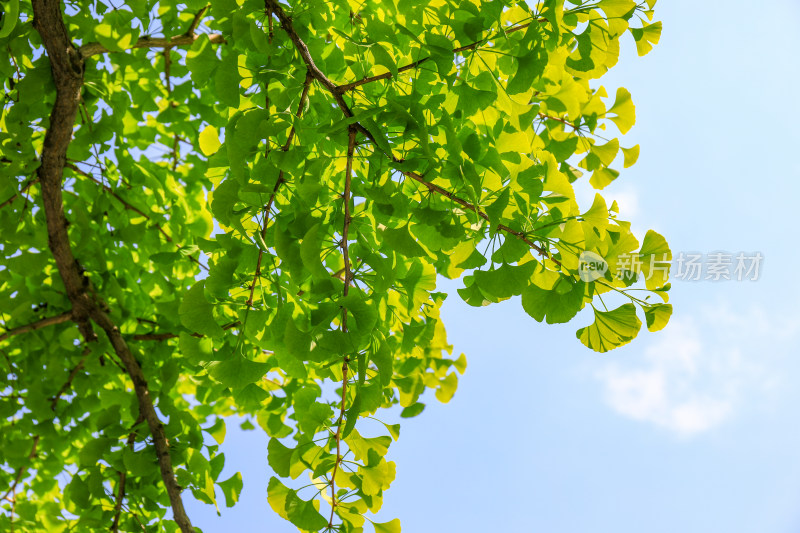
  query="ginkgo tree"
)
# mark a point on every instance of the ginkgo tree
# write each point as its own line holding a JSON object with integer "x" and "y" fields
{"x": 242, "y": 208}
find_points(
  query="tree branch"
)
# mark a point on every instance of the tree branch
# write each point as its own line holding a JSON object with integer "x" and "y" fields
{"x": 286, "y": 23}
{"x": 471, "y": 207}
{"x": 195, "y": 22}
{"x": 24, "y": 188}
{"x": 67, "y": 384}
{"x": 278, "y": 183}
{"x": 186, "y": 38}
{"x": 148, "y": 412}
{"x": 39, "y": 324}
{"x": 351, "y": 145}
{"x": 167, "y": 336}
{"x": 135, "y": 209}
{"x": 557, "y": 119}
{"x": 387, "y": 75}
{"x": 21, "y": 470}
{"x": 316, "y": 73}
{"x": 67, "y": 69}
{"x": 348, "y": 276}
{"x": 122, "y": 477}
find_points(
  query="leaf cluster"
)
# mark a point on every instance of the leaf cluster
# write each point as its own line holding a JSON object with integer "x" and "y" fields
{"x": 260, "y": 198}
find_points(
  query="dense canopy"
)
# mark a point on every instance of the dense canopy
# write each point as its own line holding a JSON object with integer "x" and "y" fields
{"x": 242, "y": 208}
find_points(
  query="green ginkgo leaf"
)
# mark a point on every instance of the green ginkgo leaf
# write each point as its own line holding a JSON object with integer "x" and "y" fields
{"x": 290, "y": 506}
{"x": 377, "y": 478}
{"x": 646, "y": 37}
{"x": 623, "y": 112}
{"x": 393, "y": 526}
{"x": 238, "y": 371}
{"x": 231, "y": 488}
{"x": 383, "y": 58}
{"x": 10, "y": 17}
{"x": 557, "y": 305}
{"x": 209, "y": 140}
{"x": 201, "y": 60}
{"x": 656, "y": 258}
{"x": 197, "y": 313}
{"x": 657, "y": 316}
{"x": 279, "y": 457}
{"x": 611, "y": 329}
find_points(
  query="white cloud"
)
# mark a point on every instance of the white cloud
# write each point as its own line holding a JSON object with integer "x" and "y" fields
{"x": 628, "y": 201}
{"x": 695, "y": 374}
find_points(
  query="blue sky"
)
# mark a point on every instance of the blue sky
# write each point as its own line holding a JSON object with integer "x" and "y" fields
{"x": 693, "y": 429}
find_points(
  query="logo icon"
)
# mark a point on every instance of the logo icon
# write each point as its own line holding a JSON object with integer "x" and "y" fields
{"x": 591, "y": 266}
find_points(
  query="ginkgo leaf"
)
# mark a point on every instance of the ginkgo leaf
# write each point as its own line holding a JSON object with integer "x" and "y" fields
{"x": 611, "y": 329}
{"x": 279, "y": 457}
{"x": 201, "y": 60}
{"x": 657, "y": 316}
{"x": 10, "y": 17}
{"x": 631, "y": 155}
{"x": 393, "y": 526}
{"x": 656, "y": 258}
{"x": 196, "y": 312}
{"x": 209, "y": 140}
{"x": 557, "y": 305}
{"x": 623, "y": 112}
{"x": 231, "y": 488}
{"x": 646, "y": 37}
{"x": 238, "y": 371}
{"x": 287, "y": 504}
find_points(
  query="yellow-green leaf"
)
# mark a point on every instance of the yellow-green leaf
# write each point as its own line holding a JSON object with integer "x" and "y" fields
{"x": 209, "y": 140}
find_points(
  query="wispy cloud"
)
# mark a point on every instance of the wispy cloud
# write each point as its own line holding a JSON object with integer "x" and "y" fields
{"x": 698, "y": 370}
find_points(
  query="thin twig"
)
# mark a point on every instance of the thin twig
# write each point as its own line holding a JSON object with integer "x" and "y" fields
{"x": 186, "y": 38}
{"x": 167, "y": 336}
{"x": 68, "y": 383}
{"x": 14, "y": 61}
{"x": 348, "y": 276}
{"x": 123, "y": 474}
{"x": 39, "y": 324}
{"x": 472, "y": 207}
{"x": 414, "y": 64}
{"x": 135, "y": 209}
{"x": 278, "y": 183}
{"x": 557, "y": 119}
{"x": 351, "y": 144}
{"x": 168, "y": 83}
{"x": 92, "y": 49}
{"x": 195, "y": 22}
{"x": 21, "y": 470}
{"x": 24, "y": 188}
